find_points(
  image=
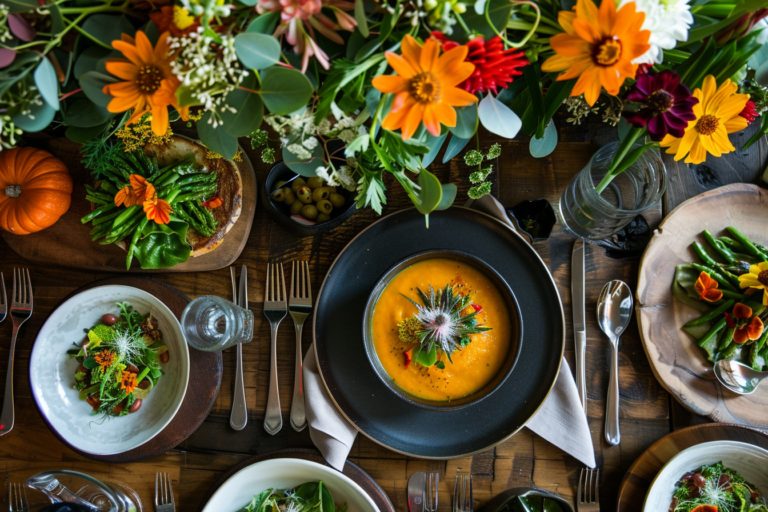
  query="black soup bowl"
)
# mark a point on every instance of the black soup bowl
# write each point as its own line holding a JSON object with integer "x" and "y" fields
{"x": 516, "y": 322}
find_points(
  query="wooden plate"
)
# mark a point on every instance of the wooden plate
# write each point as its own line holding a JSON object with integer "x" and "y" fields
{"x": 352, "y": 471}
{"x": 641, "y": 473}
{"x": 68, "y": 242}
{"x": 207, "y": 367}
{"x": 677, "y": 362}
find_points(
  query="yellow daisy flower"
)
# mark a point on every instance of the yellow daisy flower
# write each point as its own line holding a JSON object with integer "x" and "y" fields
{"x": 757, "y": 279}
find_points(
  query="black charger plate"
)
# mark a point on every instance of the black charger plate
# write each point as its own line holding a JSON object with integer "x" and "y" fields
{"x": 366, "y": 402}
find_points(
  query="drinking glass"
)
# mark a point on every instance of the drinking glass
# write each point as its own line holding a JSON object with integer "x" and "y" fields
{"x": 211, "y": 324}
{"x": 596, "y": 217}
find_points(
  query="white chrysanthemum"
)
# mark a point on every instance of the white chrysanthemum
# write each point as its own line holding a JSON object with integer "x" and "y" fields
{"x": 668, "y": 21}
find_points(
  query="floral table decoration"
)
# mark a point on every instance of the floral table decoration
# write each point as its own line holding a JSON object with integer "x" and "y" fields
{"x": 398, "y": 82}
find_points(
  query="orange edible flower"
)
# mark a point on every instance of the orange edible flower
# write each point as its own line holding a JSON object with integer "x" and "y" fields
{"x": 105, "y": 358}
{"x": 156, "y": 209}
{"x": 598, "y": 47}
{"x": 139, "y": 185}
{"x": 128, "y": 382}
{"x": 742, "y": 311}
{"x": 706, "y": 287}
{"x": 126, "y": 196}
{"x": 408, "y": 356}
{"x": 213, "y": 202}
{"x": 750, "y": 331}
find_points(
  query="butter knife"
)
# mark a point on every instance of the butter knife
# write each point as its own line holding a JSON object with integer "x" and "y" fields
{"x": 416, "y": 491}
{"x": 579, "y": 321}
{"x": 239, "y": 416}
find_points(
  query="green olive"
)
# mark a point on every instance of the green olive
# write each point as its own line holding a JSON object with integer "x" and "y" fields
{"x": 309, "y": 211}
{"x": 337, "y": 200}
{"x": 296, "y": 207}
{"x": 322, "y": 217}
{"x": 324, "y": 206}
{"x": 298, "y": 182}
{"x": 319, "y": 194}
{"x": 279, "y": 184}
{"x": 290, "y": 197}
{"x": 315, "y": 182}
{"x": 304, "y": 194}
{"x": 278, "y": 195}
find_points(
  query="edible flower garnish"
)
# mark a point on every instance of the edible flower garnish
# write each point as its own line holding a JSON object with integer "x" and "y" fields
{"x": 105, "y": 358}
{"x": 213, "y": 203}
{"x": 706, "y": 287}
{"x": 139, "y": 186}
{"x": 128, "y": 382}
{"x": 748, "y": 327}
{"x": 125, "y": 196}
{"x": 757, "y": 278}
{"x": 408, "y": 357}
{"x": 156, "y": 209}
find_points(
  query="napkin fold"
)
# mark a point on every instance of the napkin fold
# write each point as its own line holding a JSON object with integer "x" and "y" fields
{"x": 560, "y": 420}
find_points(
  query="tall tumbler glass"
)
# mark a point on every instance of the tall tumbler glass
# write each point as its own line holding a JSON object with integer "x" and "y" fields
{"x": 597, "y": 217}
{"x": 211, "y": 324}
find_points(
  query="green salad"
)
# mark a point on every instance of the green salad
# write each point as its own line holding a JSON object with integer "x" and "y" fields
{"x": 120, "y": 361}
{"x": 308, "y": 497}
{"x": 716, "y": 488}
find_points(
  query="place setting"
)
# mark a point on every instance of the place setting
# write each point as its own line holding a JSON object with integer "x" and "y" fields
{"x": 384, "y": 256}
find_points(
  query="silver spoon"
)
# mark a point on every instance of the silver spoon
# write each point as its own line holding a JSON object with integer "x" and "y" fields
{"x": 738, "y": 377}
{"x": 614, "y": 311}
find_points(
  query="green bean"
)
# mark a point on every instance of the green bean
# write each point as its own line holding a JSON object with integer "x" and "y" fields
{"x": 210, "y": 218}
{"x": 728, "y": 294}
{"x": 121, "y": 169}
{"x": 726, "y": 306}
{"x": 104, "y": 218}
{"x": 748, "y": 246}
{"x": 123, "y": 231}
{"x": 205, "y": 177}
{"x": 145, "y": 162}
{"x": 194, "y": 223}
{"x": 727, "y": 338}
{"x": 729, "y": 350}
{"x": 133, "y": 163}
{"x": 132, "y": 246}
{"x": 125, "y": 215}
{"x": 98, "y": 211}
{"x": 760, "y": 343}
{"x": 730, "y": 242}
{"x": 714, "y": 274}
{"x": 718, "y": 247}
{"x": 96, "y": 200}
{"x": 108, "y": 187}
{"x": 712, "y": 332}
{"x": 160, "y": 172}
{"x": 703, "y": 255}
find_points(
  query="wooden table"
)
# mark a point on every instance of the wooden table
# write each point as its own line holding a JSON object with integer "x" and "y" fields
{"x": 647, "y": 411}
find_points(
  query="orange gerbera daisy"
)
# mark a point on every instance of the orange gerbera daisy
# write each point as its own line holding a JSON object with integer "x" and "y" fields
{"x": 148, "y": 83}
{"x": 598, "y": 47}
{"x": 425, "y": 86}
{"x": 156, "y": 209}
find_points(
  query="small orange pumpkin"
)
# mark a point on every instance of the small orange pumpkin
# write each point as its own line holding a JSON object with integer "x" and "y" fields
{"x": 705, "y": 508}
{"x": 35, "y": 190}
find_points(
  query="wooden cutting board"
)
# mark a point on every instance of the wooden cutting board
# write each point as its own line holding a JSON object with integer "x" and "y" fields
{"x": 68, "y": 242}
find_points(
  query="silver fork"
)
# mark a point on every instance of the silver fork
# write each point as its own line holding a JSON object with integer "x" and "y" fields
{"x": 164, "y": 493}
{"x": 588, "y": 497}
{"x": 431, "y": 490}
{"x": 462, "y": 493}
{"x": 21, "y": 310}
{"x": 275, "y": 309}
{"x": 17, "y": 498}
{"x": 3, "y": 299}
{"x": 300, "y": 306}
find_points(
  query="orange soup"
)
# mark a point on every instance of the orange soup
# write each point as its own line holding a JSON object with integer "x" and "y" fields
{"x": 473, "y": 366}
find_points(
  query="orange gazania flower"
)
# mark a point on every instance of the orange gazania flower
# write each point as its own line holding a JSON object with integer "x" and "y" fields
{"x": 128, "y": 382}
{"x": 706, "y": 287}
{"x": 213, "y": 203}
{"x": 105, "y": 357}
{"x": 752, "y": 329}
{"x": 148, "y": 85}
{"x": 598, "y": 47}
{"x": 425, "y": 86}
{"x": 139, "y": 184}
{"x": 126, "y": 196}
{"x": 156, "y": 209}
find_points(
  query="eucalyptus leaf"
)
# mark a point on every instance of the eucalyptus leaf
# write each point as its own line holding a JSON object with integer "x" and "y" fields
{"x": 57, "y": 19}
{"x": 257, "y": 51}
{"x": 47, "y": 83}
{"x": 216, "y": 139}
{"x": 498, "y": 12}
{"x": 265, "y": 23}
{"x": 249, "y": 110}
{"x": 151, "y": 31}
{"x": 498, "y": 118}
{"x": 434, "y": 144}
{"x": 449, "y": 196}
{"x": 38, "y": 118}
{"x": 285, "y": 90}
{"x": 91, "y": 59}
{"x": 93, "y": 84}
{"x": 82, "y": 135}
{"x": 21, "y": 5}
{"x": 466, "y": 122}
{"x": 546, "y": 145}
{"x": 455, "y": 145}
{"x": 85, "y": 114}
{"x": 108, "y": 27}
{"x": 431, "y": 192}
{"x": 306, "y": 168}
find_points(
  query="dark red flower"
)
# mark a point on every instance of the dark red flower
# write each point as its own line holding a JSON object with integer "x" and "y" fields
{"x": 667, "y": 105}
{"x": 494, "y": 66}
{"x": 749, "y": 113}
{"x": 643, "y": 69}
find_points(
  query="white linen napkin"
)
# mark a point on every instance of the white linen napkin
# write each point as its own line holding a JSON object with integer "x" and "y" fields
{"x": 560, "y": 420}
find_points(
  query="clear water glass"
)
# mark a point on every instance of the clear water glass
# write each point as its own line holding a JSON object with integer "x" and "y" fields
{"x": 212, "y": 324}
{"x": 596, "y": 217}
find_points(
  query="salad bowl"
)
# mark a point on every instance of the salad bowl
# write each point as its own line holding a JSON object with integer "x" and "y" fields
{"x": 51, "y": 374}
{"x": 748, "y": 460}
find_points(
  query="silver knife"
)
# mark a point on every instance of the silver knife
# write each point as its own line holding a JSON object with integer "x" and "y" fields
{"x": 579, "y": 321}
{"x": 239, "y": 417}
{"x": 416, "y": 491}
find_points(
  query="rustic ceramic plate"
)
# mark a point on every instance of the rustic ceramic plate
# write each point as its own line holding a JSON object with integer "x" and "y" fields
{"x": 364, "y": 399}
{"x": 52, "y": 374}
{"x": 677, "y": 362}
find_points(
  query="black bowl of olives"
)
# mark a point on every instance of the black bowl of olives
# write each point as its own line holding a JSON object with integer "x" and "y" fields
{"x": 305, "y": 206}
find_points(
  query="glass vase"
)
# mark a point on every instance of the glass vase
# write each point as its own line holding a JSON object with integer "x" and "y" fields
{"x": 593, "y": 216}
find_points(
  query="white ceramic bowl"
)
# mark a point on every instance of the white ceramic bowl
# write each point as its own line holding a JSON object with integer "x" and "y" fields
{"x": 240, "y": 488}
{"x": 52, "y": 374}
{"x": 750, "y": 461}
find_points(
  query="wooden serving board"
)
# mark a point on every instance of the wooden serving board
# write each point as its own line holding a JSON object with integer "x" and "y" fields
{"x": 677, "y": 362}
{"x": 202, "y": 390}
{"x": 637, "y": 481}
{"x": 353, "y": 472}
{"x": 68, "y": 242}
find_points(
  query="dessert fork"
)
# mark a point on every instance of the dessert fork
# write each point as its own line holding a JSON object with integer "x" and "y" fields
{"x": 588, "y": 497}
{"x": 431, "y": 490}
{"x": 164, "y": 493}
{"x": 275, "y": 309}
{"x": 17, "y": 498}
{"x": 3, "y": 299}
{"x": 21, "y": 310}
{"x": 299, "y": 306}
{"x": 462, "y": 493}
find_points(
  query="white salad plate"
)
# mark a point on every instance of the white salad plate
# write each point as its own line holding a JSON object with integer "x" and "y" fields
{"x": 239, "y": 489}
{"x": 749, "y": 461}
{"x": 52, "y": 374}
